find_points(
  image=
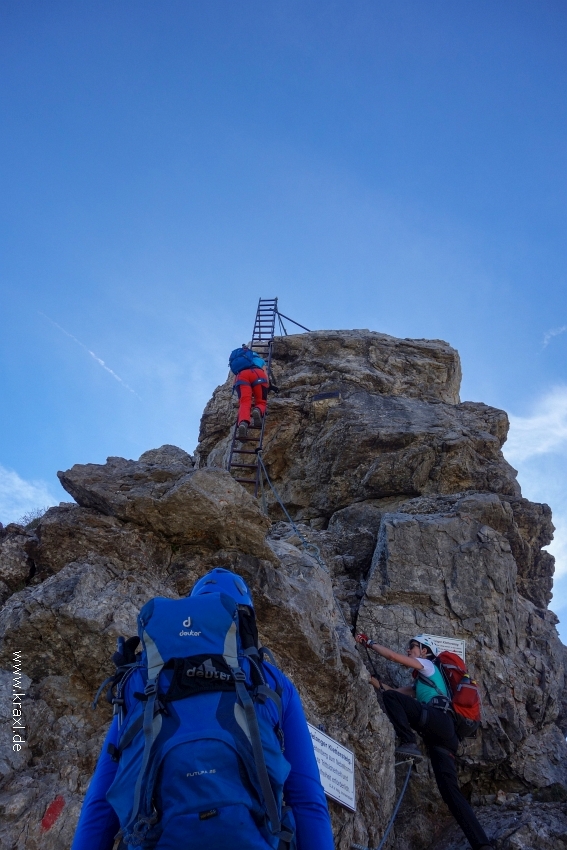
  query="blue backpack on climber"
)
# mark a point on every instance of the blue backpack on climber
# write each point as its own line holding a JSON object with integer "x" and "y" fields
{"x": 200, "y": 749}
{"x": 244, "y": 358}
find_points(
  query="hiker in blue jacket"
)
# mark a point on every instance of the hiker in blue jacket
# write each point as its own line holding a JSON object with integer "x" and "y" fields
{"x": 251, "y": 384}
{"x": 98, "y": 824}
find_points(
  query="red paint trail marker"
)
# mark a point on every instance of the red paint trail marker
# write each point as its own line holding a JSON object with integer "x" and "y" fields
{"x": 52, "y": 813}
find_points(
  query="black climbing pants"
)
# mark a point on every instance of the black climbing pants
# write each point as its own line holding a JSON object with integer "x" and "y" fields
{"x": 438, "y": 732}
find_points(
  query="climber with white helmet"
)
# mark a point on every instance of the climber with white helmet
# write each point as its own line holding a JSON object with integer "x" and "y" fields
{"x": 425, "y": 707}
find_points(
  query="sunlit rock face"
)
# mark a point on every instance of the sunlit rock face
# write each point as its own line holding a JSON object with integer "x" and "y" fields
{"x": 420, "y": 526}
{"x": 362, "y": 416}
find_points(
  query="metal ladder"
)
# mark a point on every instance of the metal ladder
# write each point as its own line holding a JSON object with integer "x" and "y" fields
{"x": 262, "y": 343}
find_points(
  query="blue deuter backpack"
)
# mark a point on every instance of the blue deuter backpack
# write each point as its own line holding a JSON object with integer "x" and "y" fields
{"x": 244, "y": 358}
{"x": 200, "y": 752}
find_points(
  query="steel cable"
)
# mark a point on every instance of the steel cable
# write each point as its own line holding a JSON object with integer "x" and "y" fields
{"x": 310, "y": 548}
{"x": 394, "y": 813}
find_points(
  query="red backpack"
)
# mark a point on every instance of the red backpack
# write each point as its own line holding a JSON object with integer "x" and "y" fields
{"x": 465, "y": 695}
{"x": 464, "y": 690}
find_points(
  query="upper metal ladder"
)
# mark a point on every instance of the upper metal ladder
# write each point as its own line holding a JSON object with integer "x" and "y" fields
{"x": 262, "y": 343}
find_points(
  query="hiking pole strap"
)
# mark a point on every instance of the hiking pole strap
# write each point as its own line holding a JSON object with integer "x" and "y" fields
{"x": 257, "y": 749}
{"x": 100, "y": 690}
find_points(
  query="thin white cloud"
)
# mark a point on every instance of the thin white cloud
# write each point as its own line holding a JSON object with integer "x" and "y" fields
{"x": 19, "y": 497}
{"x": 537, "y": 447}
{"x": 558, "y": 548}
{"x": 543, "y": 432}
{"x": 92, "y": 354}
{"x": 548, "y": 335}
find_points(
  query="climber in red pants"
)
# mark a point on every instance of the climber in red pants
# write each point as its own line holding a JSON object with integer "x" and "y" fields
{"x": 251, "y": 384}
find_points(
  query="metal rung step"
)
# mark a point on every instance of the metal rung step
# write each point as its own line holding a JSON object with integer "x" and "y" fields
{"x": 262, "y": 341}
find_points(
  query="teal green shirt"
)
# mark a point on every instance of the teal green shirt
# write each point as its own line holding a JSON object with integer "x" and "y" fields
{"x": 425, "y": 692}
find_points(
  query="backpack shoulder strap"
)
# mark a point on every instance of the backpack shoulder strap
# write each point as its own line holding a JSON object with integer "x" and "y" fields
{"x": 441, "y": 667}
{"x": 425, "y": 680}
{"x": 151, "y": 730}
{"x": 258, "y": 751}
{"x": 262, "y": 690}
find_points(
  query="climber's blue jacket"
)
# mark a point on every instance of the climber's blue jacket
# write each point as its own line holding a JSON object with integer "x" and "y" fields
{"x": 98, "y": 823}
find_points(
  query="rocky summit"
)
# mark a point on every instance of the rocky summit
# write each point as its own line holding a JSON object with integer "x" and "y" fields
{"x": 419, "y": 526}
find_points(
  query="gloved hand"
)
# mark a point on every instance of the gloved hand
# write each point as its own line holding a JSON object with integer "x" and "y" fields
{"x": 363, "y": 639}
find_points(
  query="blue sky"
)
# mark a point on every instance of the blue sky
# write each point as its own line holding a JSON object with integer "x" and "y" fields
{"x": 399, "y": 166}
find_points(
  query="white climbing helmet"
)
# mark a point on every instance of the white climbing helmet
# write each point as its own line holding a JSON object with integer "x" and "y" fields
{"x": 425, "y": 640}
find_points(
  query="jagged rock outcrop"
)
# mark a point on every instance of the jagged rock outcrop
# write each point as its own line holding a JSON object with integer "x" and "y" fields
{"x": 345, "y": 431}
{"x": 164, "y": 493}
{"x": 93, "y": 572}
{"x": 420, "y": 525}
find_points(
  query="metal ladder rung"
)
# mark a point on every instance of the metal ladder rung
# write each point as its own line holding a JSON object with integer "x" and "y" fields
{"x": 262, "y": 341}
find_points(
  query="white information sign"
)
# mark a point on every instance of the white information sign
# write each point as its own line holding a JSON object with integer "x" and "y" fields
{"x": 336, "y": 766}
{"x": 447, "y": 644}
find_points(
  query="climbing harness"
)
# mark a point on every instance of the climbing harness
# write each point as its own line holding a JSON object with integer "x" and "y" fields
{"x": 409, "y": 762}
{"x": 242, "y": 460}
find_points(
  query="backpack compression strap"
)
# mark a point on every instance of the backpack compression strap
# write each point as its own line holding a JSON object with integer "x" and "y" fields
{"x": 258, "y": 751}
{"x": 151, "y": 726}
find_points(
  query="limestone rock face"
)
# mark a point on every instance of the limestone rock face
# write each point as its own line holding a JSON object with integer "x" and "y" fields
{"x": 517, "y": 822}
{"x": 94, "y": 570}
{"x": 413, "y": 522}
{"x": 162, "y": 492}
{"x": 15, "y": 564}
{"x": 366, "y": 360}
{"x": 338, "y": 432}
{"x": 450, "y": 574}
